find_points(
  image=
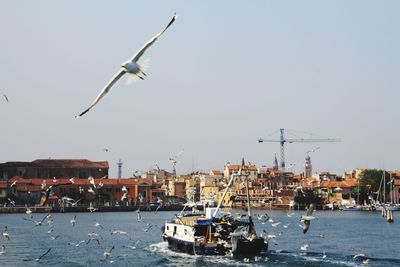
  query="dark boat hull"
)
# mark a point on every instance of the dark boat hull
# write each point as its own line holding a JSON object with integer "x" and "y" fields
{"x": 191, "y": 248}
{"x": 245, "y": 248}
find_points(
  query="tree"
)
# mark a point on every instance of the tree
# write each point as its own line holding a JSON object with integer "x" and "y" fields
{"x": 370, "y": 181}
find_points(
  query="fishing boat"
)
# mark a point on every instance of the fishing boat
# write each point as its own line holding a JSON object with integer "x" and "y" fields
{"x": 244, "y": 240}
{"x": 214, "y": 232}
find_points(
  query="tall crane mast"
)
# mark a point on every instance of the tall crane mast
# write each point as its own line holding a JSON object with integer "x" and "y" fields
{"x": 284, "y": 140}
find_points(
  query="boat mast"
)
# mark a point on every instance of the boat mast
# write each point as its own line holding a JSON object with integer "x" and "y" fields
{"x": 223, "y": 195}
{"x": 379, "y": 192}
{"x": 384, "y": 186}
{"x": 251, "y": 229}
{"x": 358, "y": 192}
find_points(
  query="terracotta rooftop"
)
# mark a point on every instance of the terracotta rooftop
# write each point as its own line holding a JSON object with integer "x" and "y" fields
{"x": 343, "y": 184}
{"x": 245, "y": 167}
{"x": 70, "y": 163}
{"x": 59, "y": 163}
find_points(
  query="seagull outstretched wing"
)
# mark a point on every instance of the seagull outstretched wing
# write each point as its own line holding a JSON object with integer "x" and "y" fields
{"x": 141, "y": 51}
{"x": 306, "y": 225}
{"x": 105, "y": 90}
{"x": 44, "y": 254}
{"x": 310, "y": 209}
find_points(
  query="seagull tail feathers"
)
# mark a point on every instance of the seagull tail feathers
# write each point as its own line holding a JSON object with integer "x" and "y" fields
{"x": 144, "y": 65}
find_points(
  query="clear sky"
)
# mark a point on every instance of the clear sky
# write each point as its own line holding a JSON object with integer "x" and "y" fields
{"x": 225, "y": 74}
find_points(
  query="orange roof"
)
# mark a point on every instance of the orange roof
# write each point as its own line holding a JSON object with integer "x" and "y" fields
{"x": 311, "y": 180}
{"x": 245, "y": 167}
{"x": 344, "y": 184}
{"x": 215, "y": 172}
{"x": 396, "y": 181}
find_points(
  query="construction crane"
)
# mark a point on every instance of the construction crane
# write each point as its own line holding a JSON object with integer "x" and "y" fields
{"x": 284, "y": 140}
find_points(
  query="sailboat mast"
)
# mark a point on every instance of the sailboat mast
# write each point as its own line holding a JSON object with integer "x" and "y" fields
{"x": 223, "y": 195}
{"x": 384, "y": 186}
{"x": 248, "y": 198}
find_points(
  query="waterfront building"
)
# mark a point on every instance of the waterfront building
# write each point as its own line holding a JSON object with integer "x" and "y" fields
{"x": 249, "y": 170}
{"x": 177, "y": 188}
{"x": 139, "y": 190}
{"x": 58, "y": 168}
{"x": 338, "y": 191}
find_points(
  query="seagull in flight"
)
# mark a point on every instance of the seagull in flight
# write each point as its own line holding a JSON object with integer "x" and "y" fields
{"x": 307, "y": 218}
{"x": 3, "y": 250}
{"x": 132, "y": 67}
{"x": 5, "y": 97}
{"x": 73, "y": 221}
{"x": 28, "y": 211}
{"x": 44, "y": 254}
{"x": 97, "y": 224}
{"x": 37, "y": 223}
{"x": 107, "y": 254}
{"x": 5, "y": 233}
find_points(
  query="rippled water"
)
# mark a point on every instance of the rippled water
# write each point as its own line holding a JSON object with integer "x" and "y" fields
{"x": 340, "y": 235}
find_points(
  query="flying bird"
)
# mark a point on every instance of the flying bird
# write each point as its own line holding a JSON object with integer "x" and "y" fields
{"x": 50, "y": 190}
{"x": 73, "y": 221}
{"x": 37, "y": 223}
{"x": 91, "y": 181}
{"x": 304, "y": 247}
{"x": 107, "y": 254}
{"x": 307, "y": 218}
{"x": 44, "y": 254}
{"x": 55, "y": 237}
{"x": 5, "y": 97}
{"x": 91, "y": 208}
{"x": 97, "y": 224}
{"x": 132, "y": 67}
{"x": 5, "y": 233}
{"x": 28, "y": 211}
{"x": 90, "y": 190}
{"x": 12, "y": 202}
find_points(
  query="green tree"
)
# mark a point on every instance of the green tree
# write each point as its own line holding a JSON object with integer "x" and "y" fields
{"x": 370, "y": 181}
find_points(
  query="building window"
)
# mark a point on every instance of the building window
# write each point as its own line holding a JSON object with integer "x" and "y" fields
{"x": 108, "y": 190}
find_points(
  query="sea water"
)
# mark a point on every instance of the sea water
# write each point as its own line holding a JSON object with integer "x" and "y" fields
{"x": 334, "y": 238}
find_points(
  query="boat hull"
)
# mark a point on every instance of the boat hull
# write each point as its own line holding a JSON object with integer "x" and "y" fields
{"x": 246, "y": 248}
{"x": 196, "y": 248}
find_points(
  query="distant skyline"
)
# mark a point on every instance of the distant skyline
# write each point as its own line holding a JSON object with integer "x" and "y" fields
{"x": 225, "y": 74}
